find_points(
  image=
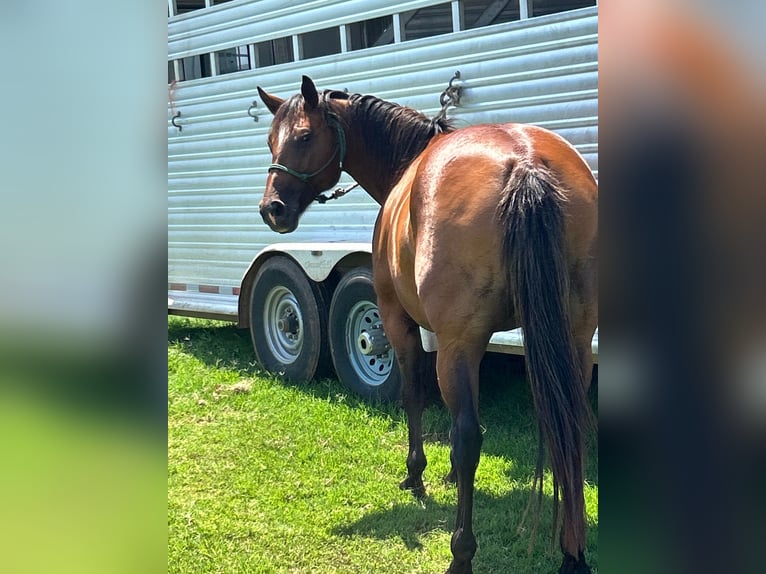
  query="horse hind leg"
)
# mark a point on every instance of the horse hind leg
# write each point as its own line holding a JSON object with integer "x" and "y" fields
{"x": 584, "y": 320}
{"x": 583, "y": 335}
{"x": 572, "y": 535}
{"x": 459, "y": 384}
{"x": 574, "y": 560}
{"x": 451, "y": 477}
{"x": 572, "y": 565}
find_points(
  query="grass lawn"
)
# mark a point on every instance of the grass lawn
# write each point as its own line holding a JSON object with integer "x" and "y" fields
{"x": 267, "y": 476}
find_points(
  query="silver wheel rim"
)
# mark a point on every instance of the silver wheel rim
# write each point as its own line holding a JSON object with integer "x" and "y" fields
{"x": 372, "y": 369}
{"x": 283, "y": 324}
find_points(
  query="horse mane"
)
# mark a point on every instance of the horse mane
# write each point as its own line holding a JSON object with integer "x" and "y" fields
{"x": 393, "y": 134}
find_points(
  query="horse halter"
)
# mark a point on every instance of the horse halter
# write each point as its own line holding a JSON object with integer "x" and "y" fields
{"x": 340, "y": 148}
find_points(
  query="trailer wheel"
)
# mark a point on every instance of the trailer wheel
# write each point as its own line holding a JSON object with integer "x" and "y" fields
{"x": 288, "y": 321}
{"x": 363, "y": 359}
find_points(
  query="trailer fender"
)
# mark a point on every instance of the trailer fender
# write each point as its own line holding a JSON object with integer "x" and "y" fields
{"x": 317, "y": 260}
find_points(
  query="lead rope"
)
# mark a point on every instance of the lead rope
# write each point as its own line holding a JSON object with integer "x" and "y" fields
{"x": 339, "y": 192}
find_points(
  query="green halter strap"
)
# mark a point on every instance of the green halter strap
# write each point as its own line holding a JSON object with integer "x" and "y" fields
{"x": 333, "y": 120}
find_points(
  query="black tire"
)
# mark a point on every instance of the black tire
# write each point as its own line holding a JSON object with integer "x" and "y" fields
{"x": 356, "y": 337}
{"x": 288, "y": 321}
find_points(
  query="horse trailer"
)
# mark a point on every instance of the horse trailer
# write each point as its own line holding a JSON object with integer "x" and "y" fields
{"x": 527, "y": 61}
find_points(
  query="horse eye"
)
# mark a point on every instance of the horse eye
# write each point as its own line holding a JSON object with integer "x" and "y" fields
{"x": 306, "y": 136}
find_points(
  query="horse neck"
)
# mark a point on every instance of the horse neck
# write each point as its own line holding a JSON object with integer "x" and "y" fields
{"x": 382, "y": 142}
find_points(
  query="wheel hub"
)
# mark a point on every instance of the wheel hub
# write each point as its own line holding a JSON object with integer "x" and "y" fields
{"x": 370, "y": 353}
{"x": 373, "y": 342}
{"x": 288, "y": 323}
{"x": 283, "y": 324}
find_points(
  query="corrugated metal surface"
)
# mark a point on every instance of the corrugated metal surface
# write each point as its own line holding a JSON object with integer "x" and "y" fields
{"x": 244, "y": 22}
{"x": 541, "y": 71}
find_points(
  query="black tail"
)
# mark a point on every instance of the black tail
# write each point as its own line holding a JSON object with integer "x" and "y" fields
{"x": 532, "y": 215}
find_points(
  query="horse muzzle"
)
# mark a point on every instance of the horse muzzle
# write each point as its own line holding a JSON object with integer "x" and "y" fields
{"x": 277, "y": 216}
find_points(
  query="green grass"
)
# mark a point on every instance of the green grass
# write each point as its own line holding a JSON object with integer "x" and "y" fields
{"x": 267, "y": 476}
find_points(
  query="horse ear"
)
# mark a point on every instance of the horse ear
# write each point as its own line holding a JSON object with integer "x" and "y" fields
{"x": 272, "y": 102}
{"x": 309, "y": 91}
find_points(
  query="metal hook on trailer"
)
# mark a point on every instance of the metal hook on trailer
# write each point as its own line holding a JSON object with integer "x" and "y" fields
{"x": 173, "y": 121}
{"x": 250, "y": 109}
{"x": 450, "y": 96}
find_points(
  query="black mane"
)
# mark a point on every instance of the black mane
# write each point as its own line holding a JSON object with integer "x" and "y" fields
{"x": 393, "y": 134}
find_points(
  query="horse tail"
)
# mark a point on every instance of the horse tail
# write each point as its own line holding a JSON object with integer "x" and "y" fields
{"x": 532, "y": 215}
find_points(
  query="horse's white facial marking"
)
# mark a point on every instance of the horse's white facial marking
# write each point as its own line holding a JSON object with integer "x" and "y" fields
{"x": 282, "y": 136}
{"x": 287, "y": 129}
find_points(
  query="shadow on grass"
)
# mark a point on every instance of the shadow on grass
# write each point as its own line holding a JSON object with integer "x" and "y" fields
{"x": 406, "y": 521}
{"x": 505, "y": 409}
{"x": 214, "y": 343}
{"x": 496, "y": 526}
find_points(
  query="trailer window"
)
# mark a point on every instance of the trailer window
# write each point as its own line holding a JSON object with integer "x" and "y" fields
{"x": 369, "y": 33}
{"x": 194, "y": 67}
{"x": 183, "y": 6}
{"x": 273, "y": 52}
{"x": 425, "y": 22}
{"x": 320, "y": 43}
{"x": 478, "y": 13}
{"x": 543, "y": 7}
{"x": 233, "y": 60}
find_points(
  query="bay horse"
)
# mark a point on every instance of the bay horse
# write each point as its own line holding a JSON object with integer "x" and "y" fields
{"x": 481, "y": 229}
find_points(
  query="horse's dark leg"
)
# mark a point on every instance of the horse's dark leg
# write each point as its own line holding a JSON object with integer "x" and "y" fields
{"x": 459, "y": 384}
{"x": 572, "y": 565}
{"x": 451, "y": 476}
{"x": 583, "y": 304}
{"x": 574, "y": 560}
{"x": 584, "y": 316}
{"x": 418, "y": 375}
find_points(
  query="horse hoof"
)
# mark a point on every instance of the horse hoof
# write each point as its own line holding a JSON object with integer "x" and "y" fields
{"x": 416, "y": 487}
{"x": 572, "y": 565}
{"x": 451, "y": 478}
{"x": 460, "y": 569}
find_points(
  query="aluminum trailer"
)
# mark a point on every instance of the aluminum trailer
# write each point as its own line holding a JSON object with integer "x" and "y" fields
{"x": 534, "y": 62}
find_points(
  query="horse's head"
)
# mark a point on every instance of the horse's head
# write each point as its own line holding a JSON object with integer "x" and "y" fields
{"x": 308, "y": 146}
